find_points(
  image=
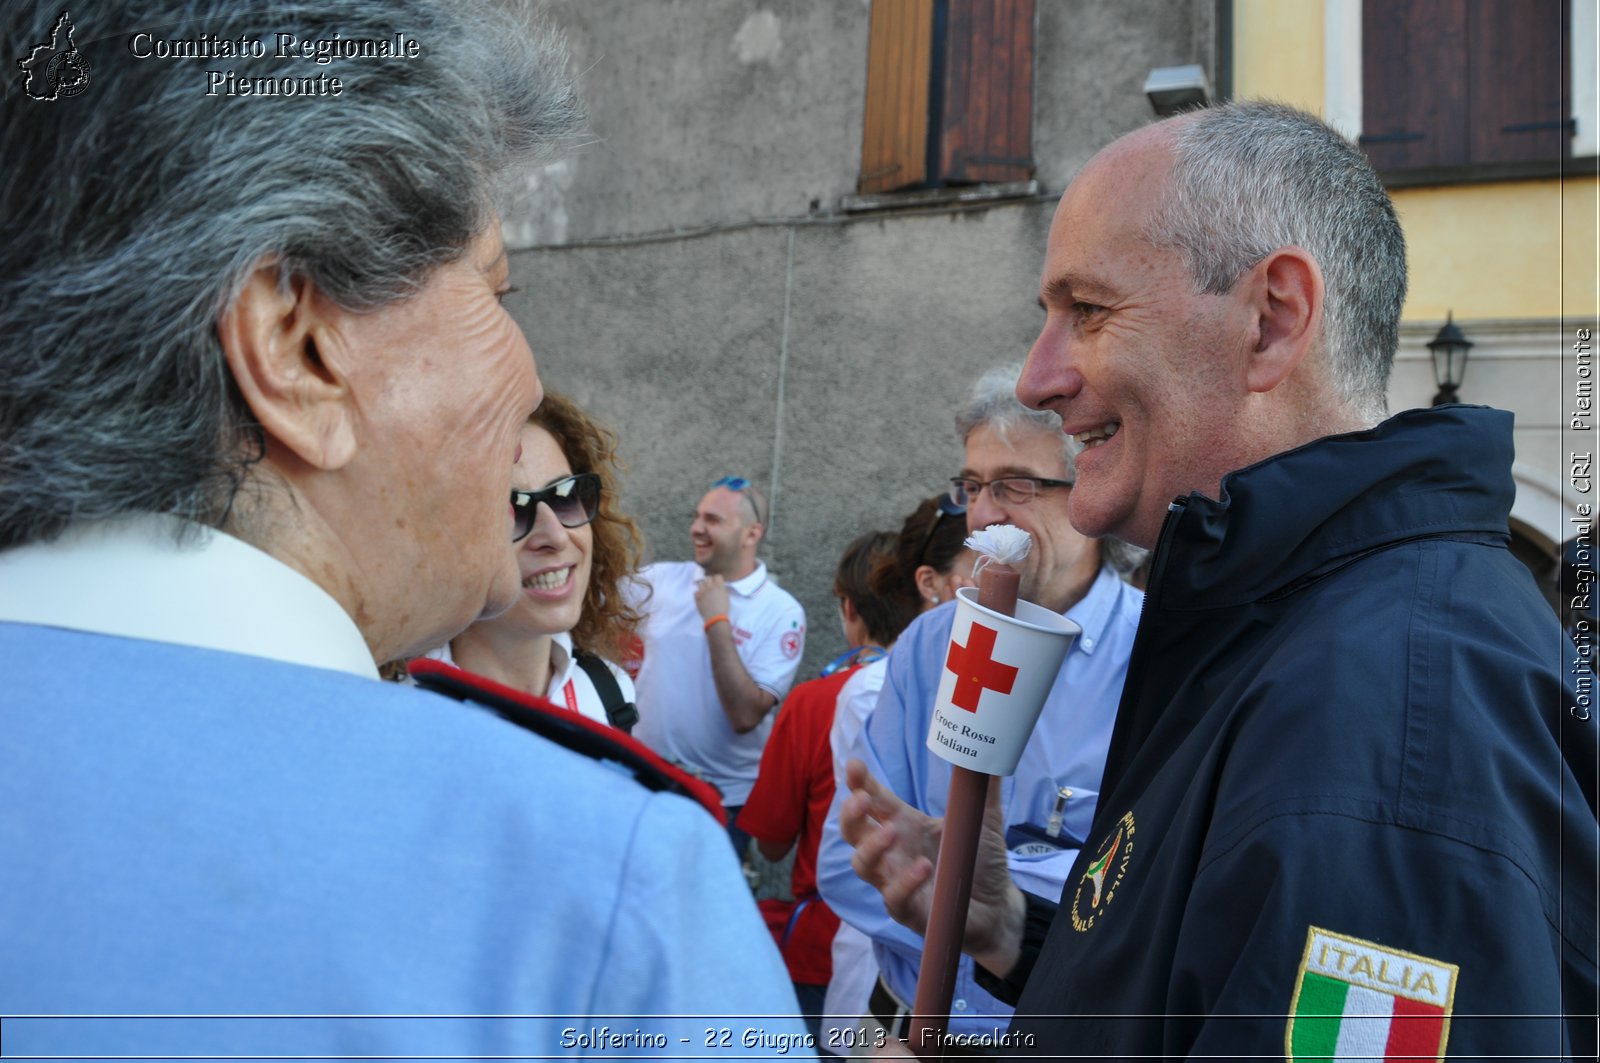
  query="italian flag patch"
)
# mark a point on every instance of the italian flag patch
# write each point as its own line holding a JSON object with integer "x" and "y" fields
{"x": 1358, "y": 1000}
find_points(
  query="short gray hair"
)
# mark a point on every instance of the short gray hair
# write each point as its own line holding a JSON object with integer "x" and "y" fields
{"x": 136, "y": 210}
{"x": 1249, "y": 178}
{"x": 993, "y": 404}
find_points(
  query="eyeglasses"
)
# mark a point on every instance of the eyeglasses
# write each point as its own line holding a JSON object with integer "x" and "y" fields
{"x": 948, "y": 507}
{"x": 574, "y": 500}
{"x": 1006, "y": 490}
{"x": 739, "y": 485}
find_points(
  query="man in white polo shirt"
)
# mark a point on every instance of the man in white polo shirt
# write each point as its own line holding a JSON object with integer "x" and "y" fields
{"x": 722, "y": 642}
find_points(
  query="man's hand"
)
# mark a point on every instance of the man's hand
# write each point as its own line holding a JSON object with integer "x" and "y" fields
{"x": 711, "y": 597}
{"x": 743, "y": 700}
{"x": 896, "y": 849}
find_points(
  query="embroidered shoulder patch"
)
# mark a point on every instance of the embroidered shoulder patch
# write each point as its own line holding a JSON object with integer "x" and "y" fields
{"x": 1355, "y": 999}
{"x": 1099, "y": 884}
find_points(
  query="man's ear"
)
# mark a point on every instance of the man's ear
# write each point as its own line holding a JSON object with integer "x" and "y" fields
{"x": 270, "y": 338}
{"x": 1287, "y": 301}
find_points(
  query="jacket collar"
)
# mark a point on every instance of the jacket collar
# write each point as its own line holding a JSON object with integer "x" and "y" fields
{"x": 1295, "y": 516}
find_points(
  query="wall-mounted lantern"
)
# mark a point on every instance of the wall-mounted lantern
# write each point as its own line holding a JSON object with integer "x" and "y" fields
{"x": 1449, "y": 349}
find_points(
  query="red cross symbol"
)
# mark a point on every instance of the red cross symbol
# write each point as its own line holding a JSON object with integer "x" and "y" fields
{"x": 976, "y": 669}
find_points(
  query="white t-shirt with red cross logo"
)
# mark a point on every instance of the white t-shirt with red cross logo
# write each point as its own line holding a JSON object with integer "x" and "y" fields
{"x": 680, "y": 716}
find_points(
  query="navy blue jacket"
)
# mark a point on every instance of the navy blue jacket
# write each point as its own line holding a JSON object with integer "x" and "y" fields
{"x": 1347, "y": 709}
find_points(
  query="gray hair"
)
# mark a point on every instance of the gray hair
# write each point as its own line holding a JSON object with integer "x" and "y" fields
{"x": 1249, "y": 178}
{"x": 136, "y": 210}
{"x": 993, "y": 404}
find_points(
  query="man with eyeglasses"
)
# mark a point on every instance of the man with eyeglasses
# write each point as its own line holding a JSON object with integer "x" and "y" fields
{"x": 1017, "y": 469}
{"x": 722, "y": 643}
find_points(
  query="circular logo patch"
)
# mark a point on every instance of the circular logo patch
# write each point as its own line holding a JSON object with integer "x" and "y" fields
{"x": 790, "y": 644}
{"x": 67, "y": 75}
{"x": 1099, "y": 884}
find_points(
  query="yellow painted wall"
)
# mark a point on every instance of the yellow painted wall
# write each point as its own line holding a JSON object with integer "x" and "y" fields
{"x": 1502, "y": 249}
{"x": 1277, "y": 52}
{"x": 1499, "y": 250}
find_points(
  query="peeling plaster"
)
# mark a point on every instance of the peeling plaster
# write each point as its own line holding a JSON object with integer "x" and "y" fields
{"x": 758, "y": 40}
{"x": 538, "y": 213}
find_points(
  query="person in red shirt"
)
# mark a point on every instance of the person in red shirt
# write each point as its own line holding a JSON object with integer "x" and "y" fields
{"x": 795, "y": 785}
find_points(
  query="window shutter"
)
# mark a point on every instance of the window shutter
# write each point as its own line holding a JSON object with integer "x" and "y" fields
{"x": 1520, "y": 81}
{"x": 1464, "y": 82}
{"x": 986, "y": 131}
{"x": 894, "y": 136}
{"x": 1414, "y": 83}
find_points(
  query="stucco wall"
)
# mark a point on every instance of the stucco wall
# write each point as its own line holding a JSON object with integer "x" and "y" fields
{"x": 844, "y": 416}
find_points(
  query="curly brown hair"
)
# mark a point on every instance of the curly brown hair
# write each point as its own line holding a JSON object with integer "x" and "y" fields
{"x": 608, "y": 622}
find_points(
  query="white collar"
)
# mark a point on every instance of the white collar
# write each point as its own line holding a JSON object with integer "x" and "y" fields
{"x": 560, "y": 654}
{"x": 751, "y": 583}
{"x": 131, "y": 579}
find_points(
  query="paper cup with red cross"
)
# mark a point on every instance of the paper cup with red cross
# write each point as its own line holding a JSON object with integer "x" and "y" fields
{"x": 997, "y": 673}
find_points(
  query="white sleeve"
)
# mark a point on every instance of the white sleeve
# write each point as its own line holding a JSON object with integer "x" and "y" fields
{"x": 772, "y": 655}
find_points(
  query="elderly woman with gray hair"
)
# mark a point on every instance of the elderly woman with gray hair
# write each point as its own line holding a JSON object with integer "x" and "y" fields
{"x": 259, "y": 408}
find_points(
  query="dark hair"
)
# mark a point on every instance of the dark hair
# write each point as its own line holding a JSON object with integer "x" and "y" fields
{"x": 928, "y": 537}
{"x": 885, "y": 616}
{"x": 608, "y": 621}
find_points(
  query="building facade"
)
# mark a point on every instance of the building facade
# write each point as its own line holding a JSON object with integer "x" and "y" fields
{"x": 802, "y": 229}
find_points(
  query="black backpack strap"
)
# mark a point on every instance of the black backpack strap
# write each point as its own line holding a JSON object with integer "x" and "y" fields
{"x": 622, "y": 714}
{"x": 570, "y": 729}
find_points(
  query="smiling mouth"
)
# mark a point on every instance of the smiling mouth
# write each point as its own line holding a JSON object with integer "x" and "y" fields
{"x": 553, "y": 580}
{"x": 1096, "y": 436}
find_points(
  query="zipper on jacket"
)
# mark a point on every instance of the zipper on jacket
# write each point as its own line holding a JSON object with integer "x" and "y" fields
{"x": 1169, "y": 528}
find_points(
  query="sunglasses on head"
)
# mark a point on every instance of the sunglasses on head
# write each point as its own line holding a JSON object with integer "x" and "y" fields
{"x": 947, "y": 508}
{"x": 739, "y": 485}
{"x": 574, "y": 500}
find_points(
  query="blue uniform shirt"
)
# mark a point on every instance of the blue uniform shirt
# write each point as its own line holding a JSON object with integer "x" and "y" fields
{"x": 1068, "y": 748}
{"x": 211, "y": 852}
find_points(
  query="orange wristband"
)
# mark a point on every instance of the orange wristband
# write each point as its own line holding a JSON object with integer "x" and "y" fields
{"x": 711, "y": 622}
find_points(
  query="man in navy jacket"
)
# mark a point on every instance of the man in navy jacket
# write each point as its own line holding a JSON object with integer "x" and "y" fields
{"x": 1347, "y": 808}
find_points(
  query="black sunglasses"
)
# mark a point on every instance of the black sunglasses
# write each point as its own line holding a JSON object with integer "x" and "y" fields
{"x": 574, "y": 500}
{"x": 947, "y": 508}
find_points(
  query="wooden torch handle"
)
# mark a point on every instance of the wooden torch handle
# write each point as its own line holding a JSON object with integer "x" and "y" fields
{"x": 958, "y": 850}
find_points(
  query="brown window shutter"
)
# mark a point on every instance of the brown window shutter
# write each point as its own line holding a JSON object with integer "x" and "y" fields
{"x": 986, "y": 130}
{"x": 894, "y": 136}
{"x": 1520, "y": 77}
{"x": 1414, "y": 68}
{"x": 1464, "y": 82}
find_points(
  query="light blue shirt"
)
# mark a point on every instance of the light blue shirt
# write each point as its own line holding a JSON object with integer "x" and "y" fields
{"x": 321, "y": 864}
{"x": 1068, "y": 748}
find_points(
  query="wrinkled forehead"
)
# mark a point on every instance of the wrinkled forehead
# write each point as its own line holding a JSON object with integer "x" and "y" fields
{"x": 1125, "y": 181}
{"x": 1022, "y": 450}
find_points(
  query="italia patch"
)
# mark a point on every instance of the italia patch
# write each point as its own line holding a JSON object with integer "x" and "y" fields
{"x": 1099, "y": 884}
{"x": 1355, "y": 999}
